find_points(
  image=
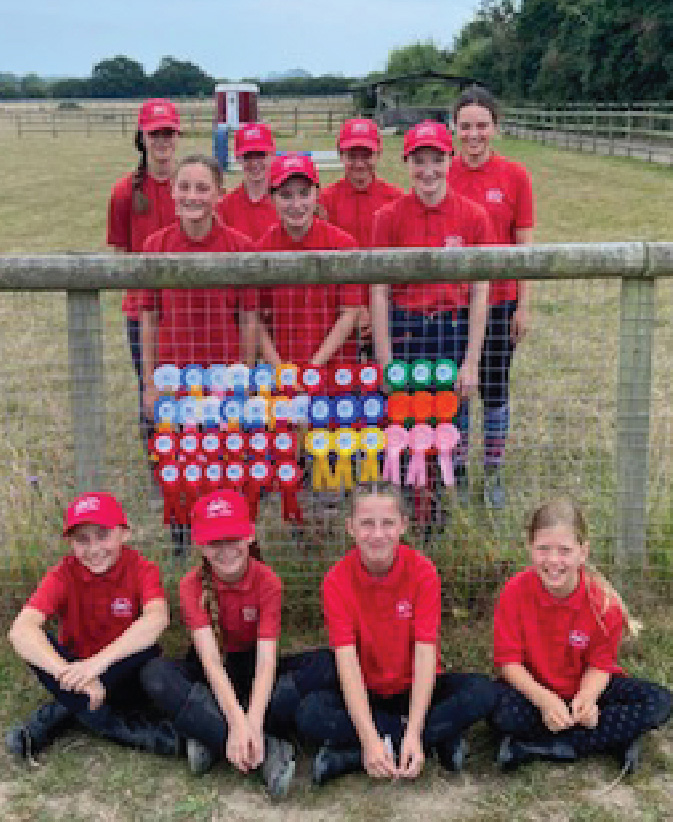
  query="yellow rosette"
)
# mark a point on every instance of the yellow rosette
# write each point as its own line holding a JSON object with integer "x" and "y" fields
{"x": 318, "y": 445}
{"x": 372, "y": 440}
{"x": 345, "y": 444}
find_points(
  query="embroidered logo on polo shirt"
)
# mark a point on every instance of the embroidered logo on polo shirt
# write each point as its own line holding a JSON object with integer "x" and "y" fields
{"x": 86, "y": 505}
{"x": 122, "y": 607}
{"x": 578, "y": 639}
{"x": 453, "y": 241}
{"x": 249, "y": 613}
{"x": 494, "y": 195}
{"x": 404, "y": 609}
{"x": 218, "y": 508}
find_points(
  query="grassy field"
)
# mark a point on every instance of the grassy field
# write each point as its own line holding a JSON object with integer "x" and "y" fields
{"x": 54, "y": 195}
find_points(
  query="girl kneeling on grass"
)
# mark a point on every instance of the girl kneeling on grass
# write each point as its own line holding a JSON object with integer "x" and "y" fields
{"x": 558, "y": 627}
{"x": 111, "y": 609}
{"x": 221, "y": 697}
{"x": 382, "y": 610}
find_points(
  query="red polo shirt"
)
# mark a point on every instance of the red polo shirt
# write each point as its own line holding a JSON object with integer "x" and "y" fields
{"x": 249, "y": 609}
{"x": 556, "y": 640}
{"x": 303, "y": 315}
{"x": 95, "y": 609}
{"x": 237, "y": 210}
{"x": 128, "y": 230}
{"x": 503, "y": 188}
{"x": 383, "y": 617}
{"x": 196, "y": 325}
{"x": 408, "y": 223}
{"x": 353, "y": 210}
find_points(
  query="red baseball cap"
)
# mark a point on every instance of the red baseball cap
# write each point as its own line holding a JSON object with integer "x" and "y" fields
{"x": 254, "y": 137}
{"x": 292, "y": 165}
{"x": 221, "y": 515}
{"x": 158, "y": 113}
{"x": 359, "y": 132}
{"x": 96, "y": 508}
{"x": 428, "y": 133}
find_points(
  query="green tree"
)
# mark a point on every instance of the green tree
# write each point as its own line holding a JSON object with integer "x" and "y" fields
{"x": 118, "y": 77}
{"x": 174, "y": 78}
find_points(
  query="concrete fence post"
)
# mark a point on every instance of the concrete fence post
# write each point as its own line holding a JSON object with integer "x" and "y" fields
{"x": 87, "y": 389}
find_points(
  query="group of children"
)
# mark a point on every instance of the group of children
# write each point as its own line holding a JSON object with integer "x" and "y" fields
{"x": 475, "y": 198}
{"x": 378, "y": 699}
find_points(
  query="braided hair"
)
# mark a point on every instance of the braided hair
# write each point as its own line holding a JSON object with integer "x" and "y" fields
{"x": 210, "y": 602}
{"x": 140, "y": 201}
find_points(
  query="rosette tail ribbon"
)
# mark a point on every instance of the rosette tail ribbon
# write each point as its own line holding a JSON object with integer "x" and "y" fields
{"x": 397, "y": 439}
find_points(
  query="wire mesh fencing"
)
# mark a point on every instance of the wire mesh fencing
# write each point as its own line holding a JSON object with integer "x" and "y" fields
{"x": 588, "y": 415}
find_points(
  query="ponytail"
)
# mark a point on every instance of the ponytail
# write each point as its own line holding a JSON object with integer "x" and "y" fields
{"x": 602, "y": 595}
{"x": 140, "y": 202}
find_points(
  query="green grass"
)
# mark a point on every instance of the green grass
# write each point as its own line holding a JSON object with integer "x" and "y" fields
{"x": 564, "y": 389}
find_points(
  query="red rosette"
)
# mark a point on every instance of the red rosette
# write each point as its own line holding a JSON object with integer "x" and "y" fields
{"x": 163, "y": 446}
{"x": 288, "y": 477}
{"x": 258, "y": 443}
{"x": 284, "y": 444}
{"x": 213, "y": 476}
{"x": 211, "y": 445}
{"x": 191, "y": 474}
{"x": 168, "y": 476}
{"x": 313, "y": 380}
{"x": 234, "y": 444}
{"x": 235, "y": 475}
{"x": 369, "y": 376}
{"x": 189, "y": 444}
{"x": 342, "y": 379}
{"x": 259, "y": 475}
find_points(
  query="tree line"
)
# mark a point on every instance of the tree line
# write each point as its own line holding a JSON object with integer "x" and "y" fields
{"x": 549, "y": 51}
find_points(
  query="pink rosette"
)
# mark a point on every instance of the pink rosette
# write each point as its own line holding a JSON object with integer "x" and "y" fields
{"x": 421, "y": 440}
{"x": 447, "y": 437}
{"x": 397, "y": 439}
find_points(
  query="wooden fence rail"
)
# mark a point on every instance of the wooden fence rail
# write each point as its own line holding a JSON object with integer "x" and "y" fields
{"x": 637, "y": 265}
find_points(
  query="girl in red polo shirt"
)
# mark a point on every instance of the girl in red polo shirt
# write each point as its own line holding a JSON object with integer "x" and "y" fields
{"x": 140, "y": 204}
{"x": 351, "y": 202}
{"x": 382, "y": 612}
{"x": 558, "y": 627}
{"x": 310, "y": 324}
{"x": 221, "y": 698}
{"x": 433, "y": 320}
{"x": 199, "y": 326}
{"x": 503, "y": 187}
{"x": 111, "y": 608}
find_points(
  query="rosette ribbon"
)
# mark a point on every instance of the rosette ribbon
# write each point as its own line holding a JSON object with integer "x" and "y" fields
{"x": 421, "y": 440}
{"x": 397, "y": 439}
{"x": 447, "y": 437}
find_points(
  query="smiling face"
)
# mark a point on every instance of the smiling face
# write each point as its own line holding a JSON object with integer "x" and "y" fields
{"x": 427, "y": 174}
{"x": 295, "y": 202}
{"x": 475, "y": 127}
{"x": 360, "y": 166}
{"x": 228, "y": 557}
{"x": 161, "y": 145}
{"x": 96, "y": 547}
{"x": 376, "y": 526}
{"x": 196, "y": 192}
{"x": 557, "y": 558}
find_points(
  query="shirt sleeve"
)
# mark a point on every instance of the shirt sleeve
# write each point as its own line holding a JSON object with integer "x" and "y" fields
{"x": 606, "y": 640}
{"x": 50, "y": 595}
{"x": 194, "y": 615}
{"x": 427, "y": 605}
{"x": 525, "y": 202}
{"x": 119, "y": 217}
{"x": 382, "y": 233}
{"x": 149, "y": 299}
{"x": 484, "y": 233}
{"x": 151, "y": 586}
{"x": 507, "y": 640}
{"x": 338, "y": 613}
{"x": 270, "y": 597}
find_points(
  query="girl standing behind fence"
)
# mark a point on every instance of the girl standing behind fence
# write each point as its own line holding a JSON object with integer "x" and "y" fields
{"x": 382, "y": 611}
{"x": 558, "y": 627}
{"x": 221, "y": 697}
{"x": 503, "y": 187}
{"x": 142, "y": 203}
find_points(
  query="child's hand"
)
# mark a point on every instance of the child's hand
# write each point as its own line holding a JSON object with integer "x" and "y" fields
{"x": 256, "y": 745}
{"x": 238, "y": 745}
{"x": 555, "y": 713}
{"x": 150, "y": 396}
{"x": 95, "y": 690}
{"x": 378, "y": 759}
{"x": 76, "y": 675}
{"x": 584, "y": 711}
{"x": 412, "y": 757}
{"x": 467, "y": 379}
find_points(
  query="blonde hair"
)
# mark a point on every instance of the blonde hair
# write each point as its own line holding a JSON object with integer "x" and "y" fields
{"x": 377, "y": 488}
{"x": 565, "y": 511}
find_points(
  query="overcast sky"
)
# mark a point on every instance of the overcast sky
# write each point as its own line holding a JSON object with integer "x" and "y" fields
{"x": 227, "y": 39}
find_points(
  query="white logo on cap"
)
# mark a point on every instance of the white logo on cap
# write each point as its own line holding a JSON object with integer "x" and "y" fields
{"x": 157, "y": 110}
{"x": 218, "y": 508}
{"x": 360, "y": 128}
{"x": 293, "y": 162}
{"x": 253, "y": 132}
{"x": 426, "y": 131}
{"x": 86, "y": 506}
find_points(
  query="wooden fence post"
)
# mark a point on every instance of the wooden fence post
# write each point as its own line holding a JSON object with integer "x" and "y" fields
{"x": 296, "y": 121}
{"x": 87, "y": 389}
{"x": 633, "y": 420}
{"x": 18, "y": 125}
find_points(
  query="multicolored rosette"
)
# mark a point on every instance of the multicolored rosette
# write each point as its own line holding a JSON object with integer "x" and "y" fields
{"x": 216, "y": 380}
{"x": 263, "y": 379}
{"x": 287, "y": 379}
{"x": 190, "y": 411}
{"x": 192, "y": 380}
{"x": 280, "y": 412}
{"x": 372, "y": 441}
{"x": 317, "y": 443}
{"x": 255, "y": 413}
{"x": 165, "y": 411}
{"x": 167, "y": 378}
{"x": 231, "y": 412}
